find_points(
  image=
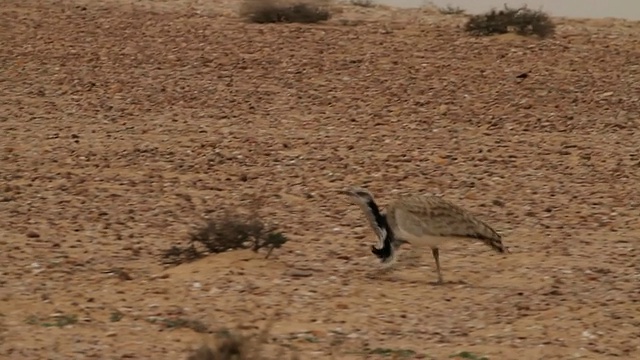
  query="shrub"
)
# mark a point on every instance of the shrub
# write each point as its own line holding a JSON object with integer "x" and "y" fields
{"x": 451, "y": 10}
{"x": 362, "y": 3}
{"x": 282, "y": 11}
{"x": 231, "y": 345}
{"x": 228, "y": 231}
{"x": 522, "y": 21}
{"x": 228, "y": 346}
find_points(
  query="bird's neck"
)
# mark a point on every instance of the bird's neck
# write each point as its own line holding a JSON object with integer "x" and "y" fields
{"x": 379, "y": 219}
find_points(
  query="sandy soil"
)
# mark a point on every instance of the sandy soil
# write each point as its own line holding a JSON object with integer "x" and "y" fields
{"x": 122, "y": 125}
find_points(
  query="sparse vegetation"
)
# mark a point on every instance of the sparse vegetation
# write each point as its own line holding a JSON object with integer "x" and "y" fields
{"x": 451, "y": 10}
{"x": 521, "y": 21}
{"x": 228, "y": 346}
{"x": 229, "y": 231}
{"x": 58, "y": 320}
{"x": 116, "y": 316}
{"x": 231, "y": 345}
{"x": 394, "y": 353}
{"x": 362, "y": 3}
{"x": 175, "y": 323}
{"x": 284, "y": 11}
{"x": 468, "y": 355}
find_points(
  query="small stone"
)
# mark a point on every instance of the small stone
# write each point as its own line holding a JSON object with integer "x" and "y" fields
{"x": 32, "y": 234}
{"x": 300, "y": 273}
{"x": 214, "y": 291}
{"x": 122, "y": 275}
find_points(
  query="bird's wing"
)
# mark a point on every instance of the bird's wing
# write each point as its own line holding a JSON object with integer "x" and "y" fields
{"x": 424, "y": 216}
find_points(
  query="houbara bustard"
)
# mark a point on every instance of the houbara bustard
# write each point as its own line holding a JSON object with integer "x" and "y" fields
{"x": 422, "y": 221}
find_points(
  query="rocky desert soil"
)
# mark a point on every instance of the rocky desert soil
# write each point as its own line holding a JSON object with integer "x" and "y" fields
{"x": 124, "y": 124}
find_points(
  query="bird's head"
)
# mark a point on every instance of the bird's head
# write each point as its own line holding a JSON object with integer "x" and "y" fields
{"x": 358, "y": 194}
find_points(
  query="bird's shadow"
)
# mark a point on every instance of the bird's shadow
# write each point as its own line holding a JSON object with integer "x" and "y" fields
{"x": 386, "y": 274}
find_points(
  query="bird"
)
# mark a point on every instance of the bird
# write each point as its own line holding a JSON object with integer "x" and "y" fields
{"x": 423, "y": 221}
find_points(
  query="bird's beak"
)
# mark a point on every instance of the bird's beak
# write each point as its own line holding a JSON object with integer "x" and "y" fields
{"x": 345, "y": 192}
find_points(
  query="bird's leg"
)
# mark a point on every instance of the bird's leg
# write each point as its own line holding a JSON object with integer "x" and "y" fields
{"x": 436, "y": 256}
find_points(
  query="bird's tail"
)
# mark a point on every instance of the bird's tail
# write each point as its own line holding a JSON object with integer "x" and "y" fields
{"x": 490, "y": 237}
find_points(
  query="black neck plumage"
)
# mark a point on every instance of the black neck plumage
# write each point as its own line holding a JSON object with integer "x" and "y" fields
{"x": 386, "y": 251}
{"x": 381, "y": 220}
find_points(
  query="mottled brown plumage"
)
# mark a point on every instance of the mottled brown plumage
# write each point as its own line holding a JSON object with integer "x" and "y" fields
{"x": 434, "y": 217}
{"x": 423, "y": 221}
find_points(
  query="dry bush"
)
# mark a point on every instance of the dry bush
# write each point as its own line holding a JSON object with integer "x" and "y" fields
{"x": 231, "y": 346}
{"x": 451, "y": 10}
{"x": 283, "y": 11}
{"x": 521, "y": 21}
{"x": 228, "y": 346}
{"x": 228, "y": 231}
{"x": 362, "y": 3}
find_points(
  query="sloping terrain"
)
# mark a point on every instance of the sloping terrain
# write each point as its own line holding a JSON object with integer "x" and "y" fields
{"x": 122, "y": 125}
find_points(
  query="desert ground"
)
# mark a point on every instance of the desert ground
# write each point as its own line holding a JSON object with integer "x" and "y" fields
{"x": 124, "y": 124}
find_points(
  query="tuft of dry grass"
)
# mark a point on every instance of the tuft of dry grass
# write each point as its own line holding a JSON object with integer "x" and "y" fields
{"x": 283, "y": 11}
{"x": 521, "y": 21}
{"x": 228, "y": 346}
{"x": 232, "y": 345}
